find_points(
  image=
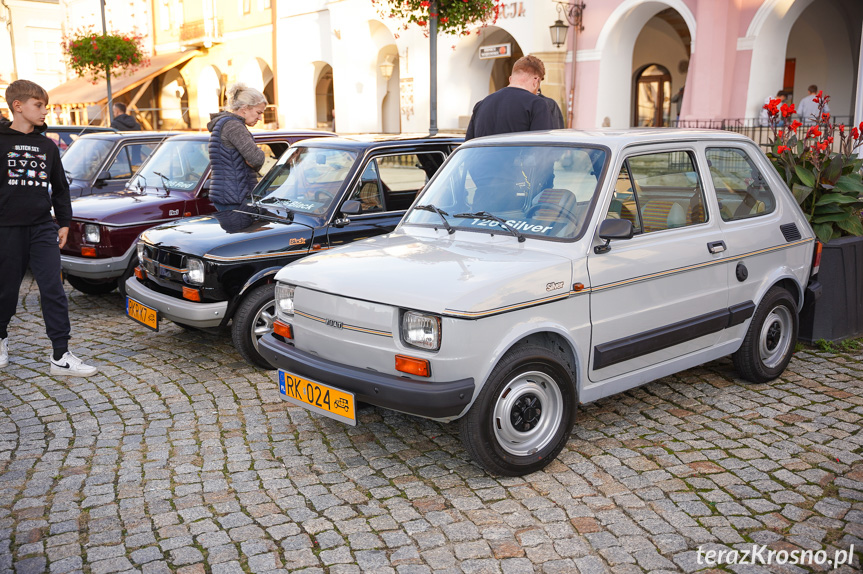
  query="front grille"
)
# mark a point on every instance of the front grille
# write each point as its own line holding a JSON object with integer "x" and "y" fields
{"x": 790, "y": 231}
{"x": 164, "y": 264}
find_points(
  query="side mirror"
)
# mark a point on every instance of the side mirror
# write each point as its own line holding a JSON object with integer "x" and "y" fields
{"x": 205, "y": 187}
{"x": 613, "y": 229}
{"x": 352, "y": 207}
{"x": 102, "y": 178}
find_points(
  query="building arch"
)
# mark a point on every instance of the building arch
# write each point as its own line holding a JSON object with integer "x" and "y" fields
{"x": 767, "y": 34}
{"x": 387, "y": 88}
{"x": 173, "y": 102}
{"x": 324, "y": 96}
{"x": 211, "y": 92}
{"x": 615, "y": 47}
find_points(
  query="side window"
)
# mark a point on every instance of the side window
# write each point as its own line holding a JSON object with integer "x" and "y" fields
{"x": 138, "y": 153}
{"x": 272, "y": 152}
{"x": 368, "y": 190}
{"x": 403, "y": 176}
{"x": 623, "y": 205}
{"x": 740, "y": 188}
{"x": 667, "y": 190}
{"x": 120, "y": 168}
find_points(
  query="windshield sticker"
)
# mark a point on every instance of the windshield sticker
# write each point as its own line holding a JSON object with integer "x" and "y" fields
{"x": 518, "y": 225}
{"x": 180, "y": 184}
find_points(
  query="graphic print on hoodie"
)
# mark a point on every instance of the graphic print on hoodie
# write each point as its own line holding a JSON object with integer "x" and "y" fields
{"x": 33, "y": 180}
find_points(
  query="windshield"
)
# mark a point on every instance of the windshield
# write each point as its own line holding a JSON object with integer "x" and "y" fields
{"x": 540, "y": 191}
{"x": 176, "y": 164}
{"x": 84, "y": 159}
{"x": 306, "y": 179}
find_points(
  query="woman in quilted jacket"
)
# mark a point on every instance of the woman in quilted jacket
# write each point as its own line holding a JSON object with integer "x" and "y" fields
{"x": 234, "y": 155}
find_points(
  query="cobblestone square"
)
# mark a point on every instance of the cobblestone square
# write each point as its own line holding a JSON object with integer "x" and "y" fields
{"x": 179, "y": 457}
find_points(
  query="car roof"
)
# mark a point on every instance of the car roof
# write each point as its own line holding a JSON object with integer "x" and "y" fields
{"x": 274, "y": 134}
{"x": 79, "y": 129}
{"x": 126, "y": 136}
{"x": 365, "y": 141}
{"x": 613, "y": 138}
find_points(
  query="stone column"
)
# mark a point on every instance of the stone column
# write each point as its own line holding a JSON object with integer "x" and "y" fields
{"x": 554, "y": 85}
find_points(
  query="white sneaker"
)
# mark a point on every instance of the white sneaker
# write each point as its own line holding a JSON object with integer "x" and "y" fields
{"x": 72, "y": 366}
{"x": 4, "y": 352}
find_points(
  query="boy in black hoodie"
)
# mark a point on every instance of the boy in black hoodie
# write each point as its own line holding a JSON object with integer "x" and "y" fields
{"x": 31, "y": 182}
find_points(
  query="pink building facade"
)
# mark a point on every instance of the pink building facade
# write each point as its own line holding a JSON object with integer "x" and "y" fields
{"x": 634, "y": 56}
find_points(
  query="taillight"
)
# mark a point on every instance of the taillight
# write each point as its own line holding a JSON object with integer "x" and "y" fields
{"x": 816, "y": 258}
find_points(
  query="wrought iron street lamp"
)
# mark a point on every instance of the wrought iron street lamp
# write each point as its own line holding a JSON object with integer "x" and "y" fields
{"x": 573, "y": 12}
{"x": 387, "y": 68}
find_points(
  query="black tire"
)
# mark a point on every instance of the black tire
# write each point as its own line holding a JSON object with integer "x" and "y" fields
{"x": 253, "y": 320}
{"x": 770, "y": 339}
{"x": 505, "y": 412}
{"x": 92, "y": 286}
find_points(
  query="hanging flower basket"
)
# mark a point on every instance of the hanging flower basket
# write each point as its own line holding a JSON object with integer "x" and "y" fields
{"x": 91, "y": 54}
{"x": 454, "y": 16}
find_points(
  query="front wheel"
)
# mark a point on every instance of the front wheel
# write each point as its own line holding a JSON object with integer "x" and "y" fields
{"x": 770, "y": 339}
{"x": 92, "y": 286}
{"x": 522, "y": 418}
{"x": 254, "y": 319}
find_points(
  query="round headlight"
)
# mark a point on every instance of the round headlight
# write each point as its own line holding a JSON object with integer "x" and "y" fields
{"x": 92, "y": 234}
{"x": 285, "y": 300}
{"x": 420, "y": 330}
{"x": 195, "y": 273}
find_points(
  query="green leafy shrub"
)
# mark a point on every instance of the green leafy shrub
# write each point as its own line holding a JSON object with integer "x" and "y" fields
{"x": 91, "y": 54}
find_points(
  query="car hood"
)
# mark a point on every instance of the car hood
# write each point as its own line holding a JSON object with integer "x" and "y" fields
{"x": 464, "y": 277}
{"x": 230, "y": 235}
{"x": 128, "y": 206}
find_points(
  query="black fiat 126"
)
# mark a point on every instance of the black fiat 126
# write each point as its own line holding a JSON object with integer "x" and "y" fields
{"x": 210, "y": 270}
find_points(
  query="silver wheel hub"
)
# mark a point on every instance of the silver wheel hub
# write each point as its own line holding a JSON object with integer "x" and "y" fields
{"x": 774, "y": 340}
{"x": 528, "y": 413}
{"x": 263, "y": 322}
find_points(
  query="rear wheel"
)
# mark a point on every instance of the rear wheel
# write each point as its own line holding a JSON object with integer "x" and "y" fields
{"x": 522, "y": 418}
{"x": 254, "y": 319}
{"x": 770, "y": 339}
{"x": 129, "y": 272}
{"x": 92, "y": 286}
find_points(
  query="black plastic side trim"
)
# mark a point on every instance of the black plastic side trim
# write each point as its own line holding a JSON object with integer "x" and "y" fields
{"x": 790, "y": 231}
{"x": 740, "y": 313}
{"x": 614, "y": 352}
{"x": 425, "y": 399}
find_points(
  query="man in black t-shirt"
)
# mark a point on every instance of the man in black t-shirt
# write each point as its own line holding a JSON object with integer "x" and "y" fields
{"x": 515, "y": 108}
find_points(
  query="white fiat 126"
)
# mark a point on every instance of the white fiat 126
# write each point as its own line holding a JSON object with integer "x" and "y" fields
{"x": 540, "y": 271}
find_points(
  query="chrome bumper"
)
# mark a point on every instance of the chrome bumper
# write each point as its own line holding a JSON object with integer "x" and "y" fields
{"x": 97, "y": 268}
{"x": 187, "y": 312}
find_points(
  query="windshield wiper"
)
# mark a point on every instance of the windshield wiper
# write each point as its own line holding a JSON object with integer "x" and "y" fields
{"x": 69, "y": 177}
{"x": 165, "y": 182}
{"x": 440, "y": 212}
{"x": 491, "y": 217}
{"x": 283, "y": 201}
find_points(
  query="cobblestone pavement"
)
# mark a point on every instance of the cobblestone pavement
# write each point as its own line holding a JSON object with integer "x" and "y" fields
{"x": 180, "y": 458}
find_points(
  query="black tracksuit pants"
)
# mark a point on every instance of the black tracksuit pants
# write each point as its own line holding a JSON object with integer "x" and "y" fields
{"x": 34, "y": 246}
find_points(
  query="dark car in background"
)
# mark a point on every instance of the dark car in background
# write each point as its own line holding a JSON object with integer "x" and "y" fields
{"x": 211, "y": 270}
{"x": 65, "y": 136}
{"x": 105, "y": 162}
{"x": 174, "y": 183}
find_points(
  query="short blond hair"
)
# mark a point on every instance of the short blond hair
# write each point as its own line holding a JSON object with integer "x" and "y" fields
{"x": 242, "y": 96}
{"x": 23, "y": 90}
{"x": 529, "y": 65}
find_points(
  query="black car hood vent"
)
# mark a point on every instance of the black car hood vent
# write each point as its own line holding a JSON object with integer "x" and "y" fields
{"x": 790, "y": 231}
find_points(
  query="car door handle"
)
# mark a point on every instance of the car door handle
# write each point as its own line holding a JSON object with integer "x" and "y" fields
{"x": 716, "y": 246}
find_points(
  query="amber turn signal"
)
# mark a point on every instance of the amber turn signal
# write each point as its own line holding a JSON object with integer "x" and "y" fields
{"x": 412, "y": 366}
{"x": 88, "y": 251}
{"x": 191, "y": 294}
{"x": 283, "y": 329}
{"x": 578, "y": 287}
{"x": 139, "y": 273}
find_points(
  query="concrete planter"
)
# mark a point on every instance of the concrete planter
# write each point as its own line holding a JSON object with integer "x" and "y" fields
{"x": 838, "y": 313}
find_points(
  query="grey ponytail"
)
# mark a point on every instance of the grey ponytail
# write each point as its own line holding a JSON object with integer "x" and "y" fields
{"x": 241, "y": 96}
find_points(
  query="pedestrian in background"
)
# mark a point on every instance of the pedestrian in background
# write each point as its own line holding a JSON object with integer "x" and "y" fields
{"x": 557, "y": 122}
{"x": 123, "y": 121}
{"x": 29, "y": 236}
{"x": 515, "y": 108}
{"x": 234, "y": 155}
{"x": 808, "y": 108}
{"x": 764, "y": 117}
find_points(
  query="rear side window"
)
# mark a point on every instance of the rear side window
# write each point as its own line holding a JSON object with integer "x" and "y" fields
{"x": 741, "y": 189}
{"x": 659, "y": 191}
{"x": 403, "y": 176}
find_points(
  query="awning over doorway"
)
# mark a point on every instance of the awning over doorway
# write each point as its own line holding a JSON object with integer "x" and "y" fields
{"x": 82, "y": 91}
